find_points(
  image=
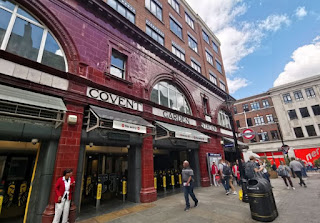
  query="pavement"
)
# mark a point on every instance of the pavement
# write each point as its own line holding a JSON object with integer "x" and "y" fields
{"x": 300, "y": 205}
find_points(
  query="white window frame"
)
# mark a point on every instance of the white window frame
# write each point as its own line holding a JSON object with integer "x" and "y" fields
{"x": 14, "y": 16}
{"x": 209, "y": 57}
{"x": 215, "y": 47}
{"x": 204, "y": 36}
{"x": 192, "y": 40}
{"x": 189, "y": 20}
{"x": 178, "y": 51}
{"x": 285, "y": 98}
{"x": 308, "y": 90}
{"x": 222, "y": 85}
{"x": 158, "y": 6}
{"x": 255, "y": 105}
{"x": 195, "y": 65}
{"x": 270, "y": 118}
{"x": 213, "y": 77}
{"x": 259, "y": 120}
{"x": 265, "y": 103}
{"x": 175, "y": 5}
{"x": 223, "y": 119}
{"x": 218, "y": 62}
{"x": 299, "y": 93}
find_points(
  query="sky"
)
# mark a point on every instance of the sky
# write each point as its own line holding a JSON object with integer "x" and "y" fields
{"x": 264, "y": 43}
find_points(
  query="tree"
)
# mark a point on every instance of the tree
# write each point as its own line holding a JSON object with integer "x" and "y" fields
{"x": 317, "y": 162}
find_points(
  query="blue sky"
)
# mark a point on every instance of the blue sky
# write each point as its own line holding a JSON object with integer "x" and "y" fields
{"x": 262, "y": 39}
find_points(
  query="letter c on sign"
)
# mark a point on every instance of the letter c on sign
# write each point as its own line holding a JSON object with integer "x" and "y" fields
{"x": 94, "y": 92}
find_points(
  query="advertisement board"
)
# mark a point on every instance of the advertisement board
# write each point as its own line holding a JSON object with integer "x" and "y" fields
{"x": 308, "y": 155}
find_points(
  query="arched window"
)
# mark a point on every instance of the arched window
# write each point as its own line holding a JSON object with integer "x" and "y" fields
{"x": 223, "y": 119}
{"x": 24, "y": 35}
{"x": 166, "y": 94}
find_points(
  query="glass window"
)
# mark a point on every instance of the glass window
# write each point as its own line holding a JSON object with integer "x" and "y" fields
{"x": 292, "y": 114}
{"x": 154, "y": 34}
{"x": 265, "y": 103}
{"x": 175, "y": 5}
{"x": 255, "y": 105}
{"x": 270, "y": 118}
{"x": 195, "y": 66}
{"x": 287, "y": 98}
{"x": 238, "y": 123}
{"x": 189, "y": 21}
{"x": 209, "y": 57}
{"x": 175, "y": 28}
{"x": 316, "y": 109}
{"x": 311, "y": 130}
{"x": 249, "y": 122}
{"x": 298, "y": 95}
{"x": 193, "y": 44}
{"x": 223, "y": 119}
{"x": 245, "y": 107}
{"x": 205, "y": 106}
{"x": 274, "y": 135}
{"x": 310, "y": 92}
{"x": 205, "y": 36}
{"x": 263, "y": 136}
{"x": 298, "y": 132}
{"x": 169, "y": 96}
{"x": 118, "y": 64}
{"x": 215, "y": 47}
{"x": 219, "y": 66}
{"x": 213, "y": 78}
{"x": 222, "y": 86}
{"x": 154, "y": 8}
{"x": 179, "y": 53}
{"x": 28, "y": 38}
{"x": 122, "y": 9}
{"x": 304, "y": 112}
{"x": 235, "y": 111}
{"x": 259, "y": 120}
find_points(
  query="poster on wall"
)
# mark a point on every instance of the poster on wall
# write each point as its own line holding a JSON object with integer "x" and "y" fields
{"x": 212, "y": 157}
{"x": 308, "y": 155}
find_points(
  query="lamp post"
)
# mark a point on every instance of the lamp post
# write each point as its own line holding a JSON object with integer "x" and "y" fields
{"x": 284, "y": 147}
{"x": 235, "y": 139}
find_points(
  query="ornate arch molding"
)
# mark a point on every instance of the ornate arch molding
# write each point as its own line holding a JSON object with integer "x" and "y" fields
{"x": 46, "y": 16}
{"x": 173, "y": 79}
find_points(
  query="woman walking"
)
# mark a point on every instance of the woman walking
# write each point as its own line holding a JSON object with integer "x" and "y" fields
{"x": 231, "y": 180}
{"x": 284, "y": 172}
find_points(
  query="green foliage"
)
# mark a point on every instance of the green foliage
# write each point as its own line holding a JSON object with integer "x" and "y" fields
{"x": 317, "y": 162}
{"x": 268, "y": 163}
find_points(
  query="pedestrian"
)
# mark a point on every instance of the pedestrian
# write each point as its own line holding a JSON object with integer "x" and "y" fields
{"x": 63, "y": 188}
{"x": 297, "y": 168}
{"x": 264, "y": 171}
{"x": 225, "y": 172}
{"x": 214, "y": 172}
{"x": 231, "y": 179}
{"x": 284, "y": 172}
{"x": 236, "y": 173}
{"x": 274, "y": 166}
{"x": 304, "y": 170}
{"x": 188, "y": 184}
{"x": 252, "y": 170}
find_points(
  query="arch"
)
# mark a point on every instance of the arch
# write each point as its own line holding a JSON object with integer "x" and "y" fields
{"x": 50, "y": 21}
{"x": 171, "y": 78}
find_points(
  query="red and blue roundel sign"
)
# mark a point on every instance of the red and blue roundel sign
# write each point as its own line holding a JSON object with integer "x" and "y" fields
{"x": 248, "y": 134}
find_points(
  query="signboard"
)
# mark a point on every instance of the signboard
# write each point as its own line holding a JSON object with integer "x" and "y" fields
{"x": 248, "y": 134}
{"x": 189, "y": 136}
{"x": 285, "y": 148}
{"x": 173, "y": 116}
{"x": 209, "y": 127}
{"x": 129, "y": 127}
{"x": 226, "y": 132}
{"x": 212, "y": 157}
{"x": 114, "y": 99}
{"x": 308, "y": 155}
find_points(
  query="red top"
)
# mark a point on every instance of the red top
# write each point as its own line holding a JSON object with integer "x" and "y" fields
{"x": 60, "y": 188}
{"x": 214, "y": 169}
{"x": 236, "y": 171}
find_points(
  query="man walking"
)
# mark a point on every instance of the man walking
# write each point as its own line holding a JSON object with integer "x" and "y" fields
{"x": 297, "y": 168}
{"x": 187, "y": 179}
{"x": 225, "y": 173}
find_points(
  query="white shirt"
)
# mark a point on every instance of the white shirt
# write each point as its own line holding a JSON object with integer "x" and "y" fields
{"x": 67, "y": 187}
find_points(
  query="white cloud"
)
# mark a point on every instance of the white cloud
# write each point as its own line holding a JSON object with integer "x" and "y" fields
{"x": 236, "y": 83}
{"x": 301, "y": 12}
{"x": 274, "y": 22}
{"x": 304, "y": 63}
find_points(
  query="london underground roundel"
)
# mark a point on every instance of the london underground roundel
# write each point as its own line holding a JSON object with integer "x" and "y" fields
{"x": 248, "y": 134}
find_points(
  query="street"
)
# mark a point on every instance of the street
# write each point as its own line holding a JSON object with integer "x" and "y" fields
{"x": 300, "y": 205}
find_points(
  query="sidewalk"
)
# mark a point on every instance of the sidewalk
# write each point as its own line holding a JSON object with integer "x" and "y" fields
{"x": 301, "y": 205}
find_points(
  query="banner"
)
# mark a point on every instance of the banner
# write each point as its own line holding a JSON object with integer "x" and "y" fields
{"x": 308, "y": 155}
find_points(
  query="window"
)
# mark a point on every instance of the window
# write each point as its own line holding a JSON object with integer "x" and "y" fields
{"x": 259, "y": 120}
{"x": 298, "y": 132}
{"x": 274, "y": 135}
{"x": 209, "y": 57}
{"x": 245, "y": 107}
{"x": 125, "y": 10}
{"x": 189, "y": 21}
{"x": 265, "y": 103}
{"x": 213, "y": 77}
{"x": 263, "y": 136}
{"x": 27, "y": 37}
{"x": 270, "y": 118}
{"x": 311, "y": 131}
{"x": 215, "y": 47}
{"x": 222, "y": 85}
{"x": 205, "y": 105}
{"x": 235, "y": 110}
{"x": 249, "y": 122}
{"x": 292, "y": 114}
{"x": 223, "y": 119}
{"x": 298, "y": 95}
{"x": 316, "y": 109}
{"x": 118, "y": 64}
{"x": 178, "y": 51}
{"x": 238, "y": 123}
{"x": 192, "y": 43}
{"x": 195, "y": 65}
{"x": 205, "y": 36}
{"x": 175, "y": 5}
{"x": 154, "y": 33}
{"x": 168, "y": 95}
{"x": 310, "y": 92}
{"x": 255, "y": 105}
{"x": 304, "y": 112}
{"x": 155, "y": 7}
{"x": 287, "y": 98}
{"x": 219, "y": 66}
{"x": 175, "y": 27}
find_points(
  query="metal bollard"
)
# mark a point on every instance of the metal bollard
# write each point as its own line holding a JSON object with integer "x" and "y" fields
{"x": 1, "y": 201}
{"x": 172, "y": 181}
{"x": 99, "y": 190}
{"x": 164, "y": 183}
{"x": 124, "y": 190}
{"x": 155, "y": 183}
{"x": 180, "y": 180}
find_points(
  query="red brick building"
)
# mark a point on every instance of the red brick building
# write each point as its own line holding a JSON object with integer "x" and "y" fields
{"x": 112, "y": 89}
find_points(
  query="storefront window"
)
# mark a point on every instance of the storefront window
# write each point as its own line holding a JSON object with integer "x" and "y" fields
{"x": 28, "y": 38}
{"x": 169, "y": 96}
{"x": 223, "y": 119}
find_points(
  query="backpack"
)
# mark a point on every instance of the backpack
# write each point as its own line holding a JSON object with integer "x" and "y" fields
{"x": 281, "y": 172}
{"x": 226, "y": 170}
{"x": 249, "y": 170}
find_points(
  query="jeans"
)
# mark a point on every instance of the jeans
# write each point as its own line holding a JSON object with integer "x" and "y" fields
{"x": 285, "y": 180}
{"x": 189, "y": 190}
{"x": 266, "y": 176}
{"x": 304, "y": 172}
{"x": 298, "y": 174}
{"x": 225, "y": 182}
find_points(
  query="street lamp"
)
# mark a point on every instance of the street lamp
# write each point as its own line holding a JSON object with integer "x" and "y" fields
{"x": 284, "y": 147}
